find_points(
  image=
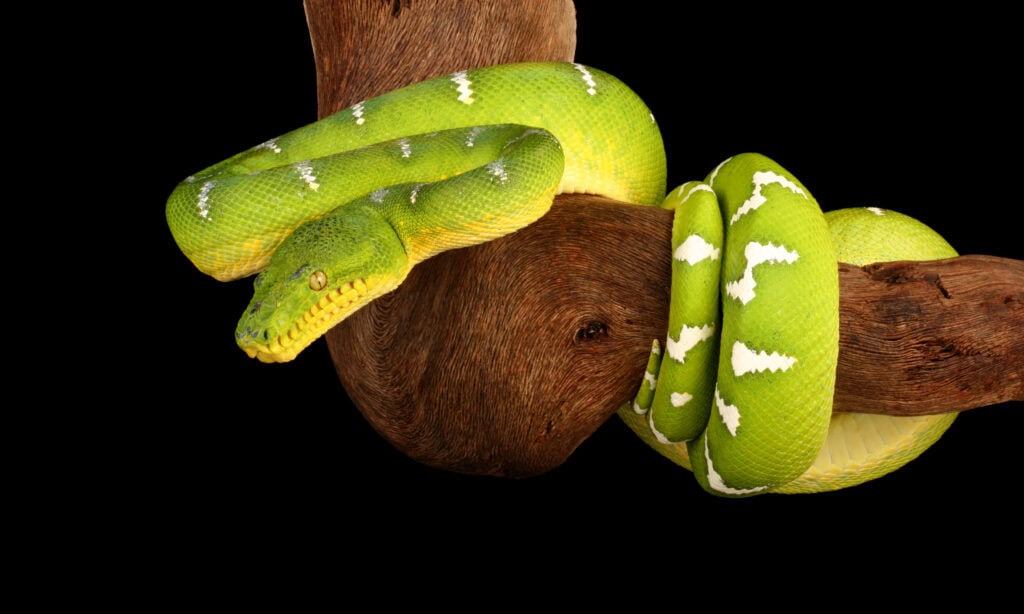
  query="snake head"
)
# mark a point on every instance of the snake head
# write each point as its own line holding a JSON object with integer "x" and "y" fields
{"x": 323, "y": 272}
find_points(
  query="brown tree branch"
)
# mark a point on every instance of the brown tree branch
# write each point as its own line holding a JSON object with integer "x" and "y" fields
{"x": 930, "y": 337}
{"x": 500, "y": 359}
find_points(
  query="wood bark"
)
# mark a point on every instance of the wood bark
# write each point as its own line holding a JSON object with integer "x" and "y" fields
{"x": 502, "y": 358}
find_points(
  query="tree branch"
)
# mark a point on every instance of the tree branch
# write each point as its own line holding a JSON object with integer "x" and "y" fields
{"x": 501, "y": 359}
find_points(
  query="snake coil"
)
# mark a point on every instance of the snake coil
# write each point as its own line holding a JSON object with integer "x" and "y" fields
{"x": 335, "y": 214}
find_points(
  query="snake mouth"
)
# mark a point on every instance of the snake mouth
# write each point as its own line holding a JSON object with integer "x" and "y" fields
{"x": 333, "y": 307}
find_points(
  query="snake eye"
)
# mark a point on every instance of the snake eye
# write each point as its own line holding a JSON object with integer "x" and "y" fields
{"x": 318, "y": 280}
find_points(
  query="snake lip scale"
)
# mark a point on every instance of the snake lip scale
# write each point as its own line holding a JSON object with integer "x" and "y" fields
{"x": 317, "y": 320}
{"x": 335, "y": 214}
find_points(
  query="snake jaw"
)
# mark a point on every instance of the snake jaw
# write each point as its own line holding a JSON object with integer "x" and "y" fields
{"x": 322, "y": 273}
{"x": 333, "y": 306}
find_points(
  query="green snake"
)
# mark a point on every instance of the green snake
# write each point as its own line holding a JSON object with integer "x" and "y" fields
{"x": 742, "y": 394}
{"x": 336, "y": 213}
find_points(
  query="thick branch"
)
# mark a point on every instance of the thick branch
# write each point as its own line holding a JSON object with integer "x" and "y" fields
{"x": 363, "y": 48}
{"x": 930, "y": 337}
{"x": 502, "y": 358}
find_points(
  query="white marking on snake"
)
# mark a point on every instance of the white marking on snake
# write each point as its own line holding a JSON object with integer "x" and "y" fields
{"x": 652, "y": 117}
{"x": 656, "y": 348}
{"x": 679, "y": 399}
{"x": 700, "y": 187}
{"x": 746, "y": 360}
{"x": 414, "y": 193}
{"x": 651, "y": 379}
{"x": 695, "y": 249}
{"x": 357, "y": 112}
{"x": 716, "y": 481}
{"x": 406, "y": 147}
{"x": 876, "y": 210}
{"x": 730, "y": 413}
{"x": 757, "y": 253}
{"x": 761, "y": 179}
{"x": 497, "y": 168}
{"x": 473, "y": 133}
{"x": 589, "y": 80}
{"x": 305, "y": 170}
{"x": 714, "y": 173}
{"x": 190, "y": 179}
{"x": 204, "y": 199}
{"x": 271, "y": 145}
{"x": 465, "y": 93}
{"x": 637, "y": 409}
{"x": 689, "y": 337}
{"x": 378, "y": 195}
{"x": 657, "y": 434}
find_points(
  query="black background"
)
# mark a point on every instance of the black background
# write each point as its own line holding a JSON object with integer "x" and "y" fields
{"x": 865, "y": 107}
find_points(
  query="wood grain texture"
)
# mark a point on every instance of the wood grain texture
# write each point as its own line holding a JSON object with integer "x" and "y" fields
{"x": 492, "y": 360}
{"x": 502, "y": 358}
{"x": 930, "y": 337}
{"x": 363, "y": 48}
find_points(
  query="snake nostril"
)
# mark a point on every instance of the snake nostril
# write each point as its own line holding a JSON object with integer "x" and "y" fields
{"x": 591, "y": 331}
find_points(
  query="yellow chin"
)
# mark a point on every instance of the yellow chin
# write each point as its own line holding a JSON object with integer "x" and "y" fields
{"x": 333, "y": 307}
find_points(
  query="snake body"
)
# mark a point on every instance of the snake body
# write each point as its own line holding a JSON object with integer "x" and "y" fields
{"x": 420, "y": 170}
{"x": 757, "y": 231}
{"x": 336, "y": 213}
{"x": 739, "y": 407}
